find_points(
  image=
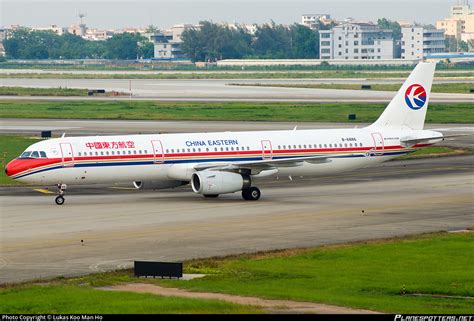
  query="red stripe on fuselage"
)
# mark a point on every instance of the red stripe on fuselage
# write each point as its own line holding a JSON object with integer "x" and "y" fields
{"x": 17, "y": 166}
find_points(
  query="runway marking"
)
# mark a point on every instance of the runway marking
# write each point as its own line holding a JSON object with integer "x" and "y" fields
{"x": 44, "y": 191}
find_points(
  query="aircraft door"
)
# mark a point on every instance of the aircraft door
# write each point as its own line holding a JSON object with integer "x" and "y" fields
{"x": 267, "y": 151}
{"x": 158, "y": 153}
{"x": 67, "y": 155}
{"x": 378, "y": 144}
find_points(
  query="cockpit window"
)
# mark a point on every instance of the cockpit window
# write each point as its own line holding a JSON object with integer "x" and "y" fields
{"x": 34, "y": 154}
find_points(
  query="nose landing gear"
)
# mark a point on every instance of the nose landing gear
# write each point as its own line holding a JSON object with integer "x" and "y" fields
{"x": 60, "y": 198}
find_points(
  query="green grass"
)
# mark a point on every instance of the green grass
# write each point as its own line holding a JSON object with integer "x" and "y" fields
{"x": 10, "y": 148}
{"x": 220, "y": 111}
{"x": 378, "y": 275}
{"x": 437, "y": 88}
{"x": 436, "y": 152}
{"x": 21, "y": 91}
{"x": 372, "y": 275}
{"x": 46, "y": 299}
{"x": 234, "y": 75}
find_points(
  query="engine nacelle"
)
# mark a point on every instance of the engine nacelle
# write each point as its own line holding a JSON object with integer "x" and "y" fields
{"x": 215, "y": 182}
{"x": 158, "y": 184}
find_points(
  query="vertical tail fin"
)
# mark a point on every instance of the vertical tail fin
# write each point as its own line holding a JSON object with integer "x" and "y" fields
{"x": 408, "y": 108}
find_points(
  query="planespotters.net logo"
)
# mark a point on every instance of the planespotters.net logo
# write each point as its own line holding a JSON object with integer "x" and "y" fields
{"x": 400, "y": 317}
{"x": 415, "y": 96}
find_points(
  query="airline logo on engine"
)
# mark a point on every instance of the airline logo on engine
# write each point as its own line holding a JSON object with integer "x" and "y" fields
{"x": 415, "y": 96}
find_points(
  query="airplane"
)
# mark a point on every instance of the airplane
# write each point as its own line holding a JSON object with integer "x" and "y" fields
{"x": 229, "y": 162}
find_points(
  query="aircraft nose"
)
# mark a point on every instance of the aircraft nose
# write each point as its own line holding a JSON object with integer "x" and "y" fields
{"x": 6, "y": 169}
{"x": 9, "y": 168}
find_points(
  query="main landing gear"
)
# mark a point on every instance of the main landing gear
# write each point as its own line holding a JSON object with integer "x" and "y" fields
{"x": 60, "y": 198}
{"x": 251, "y": 194}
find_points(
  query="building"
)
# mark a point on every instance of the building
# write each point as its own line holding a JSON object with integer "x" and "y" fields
{"x": 78, "y": 29}
{"x": 452, "y": 27}
{"x": 356, "y": 40}
{"x": 249, "y": 28}
{"x": 98, "y": 35}
{"x": 54, "y": 28}
{"x": 460, "y": 24}
{"x": 460, "y": 9}
{"x": 168, "y": 43}
{"x": 312, "y": 20}
{"x": 417, "y": 42}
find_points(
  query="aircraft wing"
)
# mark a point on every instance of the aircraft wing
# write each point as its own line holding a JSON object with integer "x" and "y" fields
{"x": 265, "y": 164}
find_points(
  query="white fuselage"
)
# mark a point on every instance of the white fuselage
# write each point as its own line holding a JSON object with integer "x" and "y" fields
{"x": 173, "y": 157}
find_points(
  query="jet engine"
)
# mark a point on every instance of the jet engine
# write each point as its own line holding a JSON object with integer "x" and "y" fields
{"x": 216, "y": 182}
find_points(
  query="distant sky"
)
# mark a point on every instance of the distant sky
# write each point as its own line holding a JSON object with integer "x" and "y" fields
{"x": 165, "y": 13}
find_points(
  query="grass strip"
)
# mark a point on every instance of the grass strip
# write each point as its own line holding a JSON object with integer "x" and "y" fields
{"x": 421, "y": 274}
{"x": 221, "y": 111}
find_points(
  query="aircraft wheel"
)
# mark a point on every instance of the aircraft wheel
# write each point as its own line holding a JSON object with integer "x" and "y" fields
{"x": 251, "y": 194}
{"x": 59, "y": 200}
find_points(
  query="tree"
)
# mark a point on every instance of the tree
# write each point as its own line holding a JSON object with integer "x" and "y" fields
{"x": 152, "y": 29}
{"x": 146, "y": 50}
{"x": 123, "y": 46}
{"x": 212, "y": 41}
{"x": 454, "y": 45}
{"x": 273, "y": 41}
{"x": 392, "y": 25}
{"x": 305, "y": 42}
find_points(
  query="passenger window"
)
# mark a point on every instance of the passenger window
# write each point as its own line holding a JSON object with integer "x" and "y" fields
{"x": 248, "y": 148}
{"x": 325, "y": 145}
{"x": 215, "y": 149}
{"x": 167, "y": 151}
{"x": 102, "y": 153}
{"x": 129, "y": 152}
{"x": 330, "y": 145}
{"x": 304, "y": 146}
{"x": 320, "y": 146}
{"x": 345, "y": 144}
{"x": 350, "y": 145}
{"x": 222, "y": 149}
{"x": 78, "y": 153}
{"x": 360, "y": 144}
